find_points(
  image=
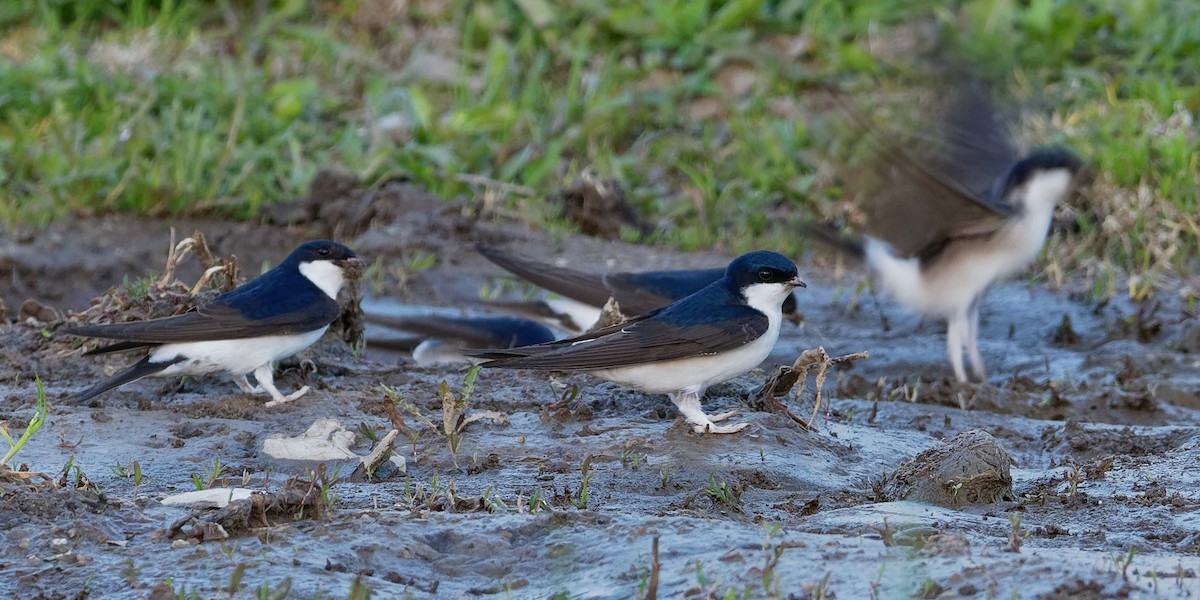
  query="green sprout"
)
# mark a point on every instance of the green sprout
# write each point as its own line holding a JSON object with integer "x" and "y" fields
{"x": 39, "y": 418}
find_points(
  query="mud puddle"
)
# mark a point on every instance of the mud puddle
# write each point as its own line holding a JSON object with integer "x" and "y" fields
{"x": 1102, "y": 425}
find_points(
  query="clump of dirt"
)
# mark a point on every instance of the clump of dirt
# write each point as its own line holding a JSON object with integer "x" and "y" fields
{"x": 297, "y": 500}
{"x": 32, "y": 502}
{"x": 32, "y": 309}
{"x": 599, "y": 207}
{"x": 351, "y": 324}
{"x": 972, "y": 468}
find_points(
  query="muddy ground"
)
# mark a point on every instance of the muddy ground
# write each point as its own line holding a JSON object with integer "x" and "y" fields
{"x": 1101, "y": 421}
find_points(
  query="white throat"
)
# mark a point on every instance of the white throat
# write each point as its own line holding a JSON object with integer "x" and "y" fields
{"x": 325, "y": 275}
{"x": 767, "y": 298}
{"x": 1046, "y": 189}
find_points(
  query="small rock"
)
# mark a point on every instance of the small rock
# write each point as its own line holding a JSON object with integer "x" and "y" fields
{"x": 60, "y": 545}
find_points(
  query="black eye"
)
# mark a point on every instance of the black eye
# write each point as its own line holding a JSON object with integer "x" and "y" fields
{"x": 765, "y": 274}
{"x": 323, "y": 250}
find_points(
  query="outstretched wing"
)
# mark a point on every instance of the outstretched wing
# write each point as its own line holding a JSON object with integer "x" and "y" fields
{"x": 931, "y": 185}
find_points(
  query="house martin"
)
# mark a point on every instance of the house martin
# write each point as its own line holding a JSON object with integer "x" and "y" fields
{"x": 583, "y": 294}
{"x": 276, "y": 315}
{"x": 723, "y": 330}
{"x": 945, "y": 219}
{"x": 446, "y": 338}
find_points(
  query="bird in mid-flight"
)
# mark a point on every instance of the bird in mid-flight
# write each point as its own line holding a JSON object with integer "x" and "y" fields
{"x": 723, "y": 330}
{"x": 584, "y": 294}
{"x": 944, "y": 222}
{"x": 276, "y": 315}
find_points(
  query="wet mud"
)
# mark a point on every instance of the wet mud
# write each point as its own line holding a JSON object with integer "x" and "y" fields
{"x": 1083, "y": 483}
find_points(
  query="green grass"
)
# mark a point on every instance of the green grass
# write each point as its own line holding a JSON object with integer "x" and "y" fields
{"x": 41, "y": 410}
{"x": 701, "y": 107}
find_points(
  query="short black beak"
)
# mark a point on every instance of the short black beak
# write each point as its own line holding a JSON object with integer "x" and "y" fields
{"x": 796, "y": 282}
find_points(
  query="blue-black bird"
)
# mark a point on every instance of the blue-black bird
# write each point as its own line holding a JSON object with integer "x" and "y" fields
{"x": 723, "y": 330}
{"x": 584, "y": 294}
{"x": 276, "y": 315}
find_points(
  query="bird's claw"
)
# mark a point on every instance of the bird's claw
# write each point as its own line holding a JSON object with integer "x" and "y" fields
{"x": 284, "y": 399}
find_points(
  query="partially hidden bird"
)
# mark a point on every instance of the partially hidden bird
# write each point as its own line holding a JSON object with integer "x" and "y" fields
{"x": 446, "y": 339}
{"x": 583, "y": 294}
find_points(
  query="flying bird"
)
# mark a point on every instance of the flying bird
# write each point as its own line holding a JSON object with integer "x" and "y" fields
{"x": 584, "y": 294}
{"x": 945, "y": 220}
{"x": 275, "y": 315}
{"x": 723, "y": 330}
{"x": 446, "y": 338}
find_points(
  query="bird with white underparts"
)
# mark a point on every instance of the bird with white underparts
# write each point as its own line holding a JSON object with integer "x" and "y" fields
{"x": 719, "y": 332}
{"x": 948, "y": 215}
{"x": 583, "y": 294}
{"x": 446, "y": 339}
{"x": 247, "y": 329}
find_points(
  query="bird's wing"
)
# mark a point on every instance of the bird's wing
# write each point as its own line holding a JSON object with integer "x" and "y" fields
{"x": 648, "y": 338}
{"x": 926, "y": 188}
{"x": 221, "y": 321}
{"x": 581, "y": 286}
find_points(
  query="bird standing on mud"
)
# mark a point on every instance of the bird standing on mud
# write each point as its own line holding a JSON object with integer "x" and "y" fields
{"x": 717, "y": 333}
{"x": 584, "y": 294}
{"x": 942, "y": 224}
{"x": 276, "y": 315}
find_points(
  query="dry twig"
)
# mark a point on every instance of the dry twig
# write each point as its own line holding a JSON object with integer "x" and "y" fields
{"x": 785, "y": 379}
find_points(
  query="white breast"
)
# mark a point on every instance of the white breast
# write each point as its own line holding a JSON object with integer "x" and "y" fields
{"x": 968, "y": 266}
{"x": 236, "y": 357}
{"x": 704, "y": 371}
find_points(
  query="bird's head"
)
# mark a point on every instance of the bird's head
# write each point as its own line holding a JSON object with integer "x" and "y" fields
{"x": 764, "y": 277}
{"x": 329, "y": 265}
{"x": 1042, "y": 179}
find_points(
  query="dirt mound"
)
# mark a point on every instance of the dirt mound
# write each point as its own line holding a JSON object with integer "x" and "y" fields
{"x": 970, "y": 469}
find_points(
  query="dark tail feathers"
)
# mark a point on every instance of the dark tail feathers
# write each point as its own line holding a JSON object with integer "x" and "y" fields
{"x": 138, "y": 370}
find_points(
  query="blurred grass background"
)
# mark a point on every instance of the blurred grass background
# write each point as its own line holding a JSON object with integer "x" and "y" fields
{"x": 701, "y": 108}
